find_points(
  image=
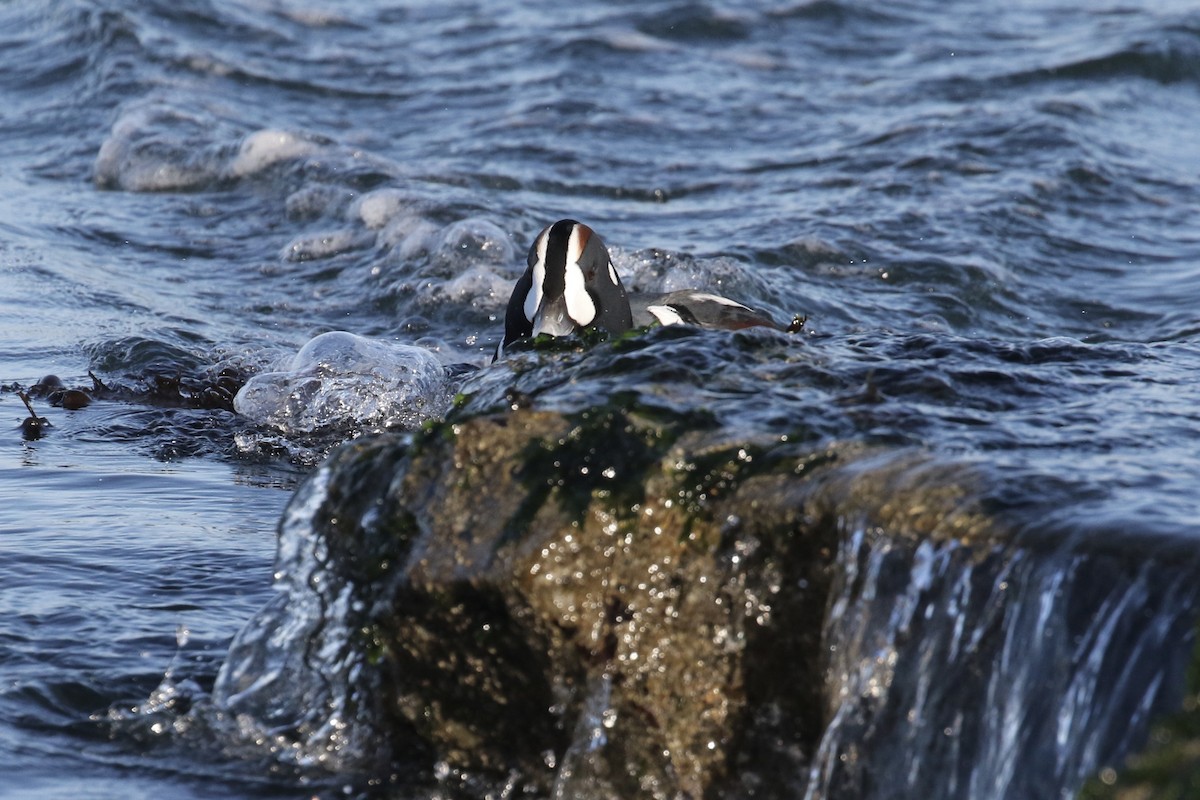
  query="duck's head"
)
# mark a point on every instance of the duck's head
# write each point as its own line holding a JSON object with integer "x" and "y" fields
{"x": 570, "y": 284}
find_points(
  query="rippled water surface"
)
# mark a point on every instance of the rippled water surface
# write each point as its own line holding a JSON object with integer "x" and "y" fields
{"x": 987, "y": 214}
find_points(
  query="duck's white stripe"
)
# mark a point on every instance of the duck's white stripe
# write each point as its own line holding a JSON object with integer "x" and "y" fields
{"x": 716, "y": 298}
{"x": 579, "y": 303}
{"x": 534, "y": 299}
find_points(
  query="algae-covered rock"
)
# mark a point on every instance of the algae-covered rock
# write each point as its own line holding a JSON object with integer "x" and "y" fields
{"x": 615, "y": 602}
{"x": 694, "y": 564}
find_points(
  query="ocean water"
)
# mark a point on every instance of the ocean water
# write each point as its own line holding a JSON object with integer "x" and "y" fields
{"x": 988, "y": 216}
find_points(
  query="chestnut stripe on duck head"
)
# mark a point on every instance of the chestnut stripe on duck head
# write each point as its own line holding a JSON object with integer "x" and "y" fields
{"x": 569, "y": 284}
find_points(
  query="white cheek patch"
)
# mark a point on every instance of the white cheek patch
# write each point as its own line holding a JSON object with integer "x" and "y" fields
{"x": 612, "y": 274}
{"x": 579, "y": 303}
{"x": 533, "y": 300}
{"x": 665, "y": 315}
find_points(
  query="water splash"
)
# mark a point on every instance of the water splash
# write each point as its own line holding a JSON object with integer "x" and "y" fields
{"x": 340, "y": 381}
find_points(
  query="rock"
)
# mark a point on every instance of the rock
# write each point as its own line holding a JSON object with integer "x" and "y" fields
{"x": 698, "y": 564}
{"x": 615, "y": 602}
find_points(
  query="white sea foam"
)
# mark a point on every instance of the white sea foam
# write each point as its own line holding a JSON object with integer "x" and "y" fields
{"x": 155, "y": 146}
{"x": 263, "y": 148}
{"x": 325, "y": 244}
{"x": 376, "y": 209}
{"x": 477, "y": 240}
{"x": 396, "y": 218}
{"x": 480, "y": 286}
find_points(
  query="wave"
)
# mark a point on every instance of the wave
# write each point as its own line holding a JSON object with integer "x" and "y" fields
{"x": 1175, "y": 59}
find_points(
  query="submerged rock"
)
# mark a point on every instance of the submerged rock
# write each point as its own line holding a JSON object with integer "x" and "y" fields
{"x": 619, "y": 601}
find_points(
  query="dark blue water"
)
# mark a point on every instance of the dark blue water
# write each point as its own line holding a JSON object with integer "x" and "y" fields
{"x": 987, "y": 214}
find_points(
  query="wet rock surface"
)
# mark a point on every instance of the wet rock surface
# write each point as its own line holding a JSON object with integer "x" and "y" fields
{"x": 619, "y": 571}
{"x": 613, "y": 602}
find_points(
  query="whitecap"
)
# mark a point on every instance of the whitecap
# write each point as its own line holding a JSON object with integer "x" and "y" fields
{"x": 376, "y": 209}
{"x": 158, "y": 148}
{"x": 155, "y": 146}
{"x": 325, "y": 244}
{"x": 479, "y": 286}
{"x": 264, "y": 148}
{"x": 475, "y": 240}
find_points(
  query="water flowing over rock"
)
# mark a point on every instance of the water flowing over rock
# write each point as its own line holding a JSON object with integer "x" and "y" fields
{"x": 625, "y": 601}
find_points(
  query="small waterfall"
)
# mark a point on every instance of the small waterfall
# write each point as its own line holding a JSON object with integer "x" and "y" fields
{"x": 1011, "y": 673}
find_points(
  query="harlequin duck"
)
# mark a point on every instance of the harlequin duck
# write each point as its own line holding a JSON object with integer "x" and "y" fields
{"x": 691, "y": 307}
{"x": 571, "y": 284}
